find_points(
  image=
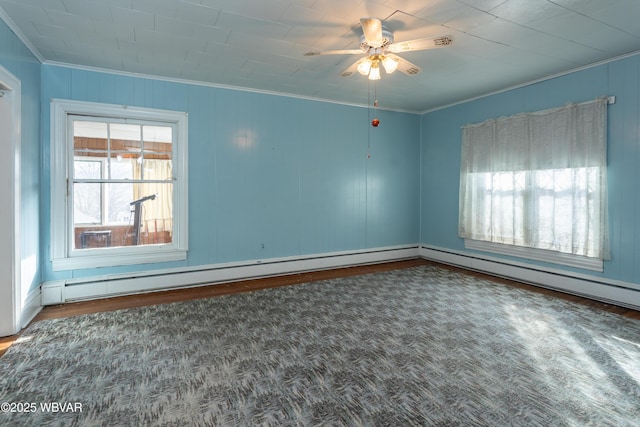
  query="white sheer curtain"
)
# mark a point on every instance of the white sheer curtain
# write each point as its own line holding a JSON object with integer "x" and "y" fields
{"x": 157, "y": 214}
{"x": 538, "y": 180}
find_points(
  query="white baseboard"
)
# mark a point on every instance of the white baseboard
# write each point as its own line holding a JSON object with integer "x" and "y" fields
{"x": 32, "y": 307}
{"x": 611, "y": 291}
{"x": 57, "y": 292}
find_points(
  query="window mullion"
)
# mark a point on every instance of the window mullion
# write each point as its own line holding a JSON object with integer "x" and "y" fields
{"x": 141, "y": 155}
{"x": 103, "y": 193}
{"x": 108, "y": 160}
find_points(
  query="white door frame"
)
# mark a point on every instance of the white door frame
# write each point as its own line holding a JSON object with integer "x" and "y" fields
{"x": 10, "y": 254}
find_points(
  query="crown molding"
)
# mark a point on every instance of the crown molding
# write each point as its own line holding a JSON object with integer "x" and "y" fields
{"x": 532, "y": 82}
{"x": 214, "y": 85}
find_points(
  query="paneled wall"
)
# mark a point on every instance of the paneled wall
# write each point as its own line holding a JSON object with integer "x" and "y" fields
{"x": 269, "y": 176}
{"x": 273, "y": 176}
{"x": 441, "y": 142}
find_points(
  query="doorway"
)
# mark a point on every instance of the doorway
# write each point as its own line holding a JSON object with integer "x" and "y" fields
{"x": 10, "y": 284}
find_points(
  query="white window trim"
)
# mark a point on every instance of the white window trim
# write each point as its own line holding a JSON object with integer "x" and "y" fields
{"x": 62, "y": 257}
{"x": 554, "y": 257}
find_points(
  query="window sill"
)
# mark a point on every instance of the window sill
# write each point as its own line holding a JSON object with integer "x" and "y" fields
{"x": 97, "y": 258}
{"x": 553, "y": 257}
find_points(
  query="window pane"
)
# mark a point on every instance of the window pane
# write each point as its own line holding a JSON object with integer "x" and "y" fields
{"x": 122, "y": 168}
{"x": 156, "y": 212}
{"x": 87, "y": 169}
{"x": 118, "y": 203}
{"x": 124, "y": 132}
{"x": 126, "y": 149}
{"x": 125, "y": 145}
{"x": 90, "y": 139}
{"x": 157, "y": 134}
{"x": 84, "y": 129}
{"x": 87, "y": 197}
{"x": 157, "y": 170}
{"x": 157, "y": 152}
{"x": 87, "y": 204}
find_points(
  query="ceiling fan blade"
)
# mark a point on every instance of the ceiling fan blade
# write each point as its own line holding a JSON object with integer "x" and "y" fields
{"x": 421, "y": 44}
{"x": 336, "y": 52}
{"x": 405, "y": 66}
{"x": 352, "y": 69}
{"x": 372, "y": 30}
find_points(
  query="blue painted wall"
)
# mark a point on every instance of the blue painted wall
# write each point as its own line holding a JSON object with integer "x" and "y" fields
{"x": 19, "y": 61}
{"x": 441, "y": 143}
{"x": 292, "y": 174}
{"x": 296, "y": 176}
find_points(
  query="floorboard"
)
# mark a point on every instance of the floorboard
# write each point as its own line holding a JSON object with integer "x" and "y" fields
{"x": 164, "y": 297}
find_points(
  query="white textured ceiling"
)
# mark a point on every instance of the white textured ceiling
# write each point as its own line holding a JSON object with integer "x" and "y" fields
{"x": 260, "y": 44}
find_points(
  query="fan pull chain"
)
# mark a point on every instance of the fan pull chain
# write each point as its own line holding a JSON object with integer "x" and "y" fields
{"x": 375, "y": 122}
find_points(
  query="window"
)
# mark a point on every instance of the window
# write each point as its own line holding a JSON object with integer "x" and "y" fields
{"x": 119, "y": 188}
{"x": 534, "y": 185}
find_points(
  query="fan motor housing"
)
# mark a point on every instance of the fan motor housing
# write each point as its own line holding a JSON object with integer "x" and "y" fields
{"x": 387, "y": 39}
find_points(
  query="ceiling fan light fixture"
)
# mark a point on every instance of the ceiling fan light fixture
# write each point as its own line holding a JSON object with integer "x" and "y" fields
{"x": 389, "y": 64}
{"x": 364, "y": 67}
{"x": 374, "y": 74}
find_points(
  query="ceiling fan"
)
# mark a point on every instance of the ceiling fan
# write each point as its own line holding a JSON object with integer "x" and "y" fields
{"x": 378, "y": 43}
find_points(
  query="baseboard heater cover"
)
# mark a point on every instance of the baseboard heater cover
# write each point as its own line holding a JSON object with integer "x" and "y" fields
{"x": 615, "y": 292}
{"x": 61, "y": 291}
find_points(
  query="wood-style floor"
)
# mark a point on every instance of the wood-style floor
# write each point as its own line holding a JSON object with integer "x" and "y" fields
{"x": 163, "y": 297}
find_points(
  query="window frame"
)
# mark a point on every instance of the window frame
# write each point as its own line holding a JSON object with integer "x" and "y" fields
{"x": 63, "y": 256}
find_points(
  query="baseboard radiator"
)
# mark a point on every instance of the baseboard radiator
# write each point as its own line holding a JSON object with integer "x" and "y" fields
{"x": 616, "y": 292}
{"x": 61, "y": 291}
{"x": 620, "y": 293}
